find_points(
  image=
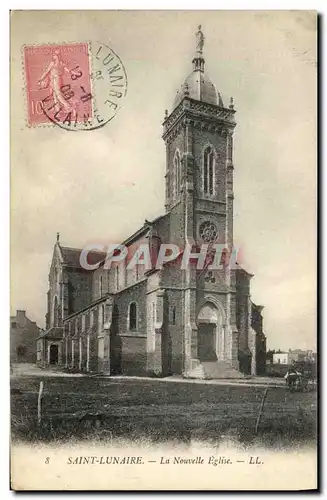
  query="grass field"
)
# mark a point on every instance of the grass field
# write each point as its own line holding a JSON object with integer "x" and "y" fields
{"x": 95, "y": 408}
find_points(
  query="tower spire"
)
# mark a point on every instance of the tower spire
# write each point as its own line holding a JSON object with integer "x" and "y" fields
{"x": 198, "y": 60}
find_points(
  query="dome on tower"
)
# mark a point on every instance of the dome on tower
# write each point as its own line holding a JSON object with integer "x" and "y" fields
{"x": 198, "y": 85}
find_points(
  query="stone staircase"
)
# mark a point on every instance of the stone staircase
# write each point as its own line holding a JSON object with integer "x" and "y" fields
{"x": 214, "y": 370}
{"x": 220, "y": 369}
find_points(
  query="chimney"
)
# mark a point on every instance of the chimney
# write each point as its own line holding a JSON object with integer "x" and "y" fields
{"x": 20, "y": 316}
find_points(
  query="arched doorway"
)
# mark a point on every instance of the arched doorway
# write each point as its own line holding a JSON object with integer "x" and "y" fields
{"x": 210, "y": 342}
{"x": 54, "y": 354}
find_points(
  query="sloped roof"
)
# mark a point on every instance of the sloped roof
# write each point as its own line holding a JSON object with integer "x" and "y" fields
{"x": 55, "y": 332}
{"x": 241, "y": 269}
{"x": 259, "y": 307}
{"x": 71, "y": 257}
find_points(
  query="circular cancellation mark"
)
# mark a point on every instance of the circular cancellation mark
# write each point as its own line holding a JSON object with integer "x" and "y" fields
{"x": 90, "y": 93}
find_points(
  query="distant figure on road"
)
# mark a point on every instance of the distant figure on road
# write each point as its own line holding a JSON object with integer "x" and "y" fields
{"x": 292, "y": 375}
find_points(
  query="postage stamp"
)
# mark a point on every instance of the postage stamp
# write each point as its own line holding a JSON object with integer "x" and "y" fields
{"x": 158, "y": 342}
{"x": 77, "y": 86}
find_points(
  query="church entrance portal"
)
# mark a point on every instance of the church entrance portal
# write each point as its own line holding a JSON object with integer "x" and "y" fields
{"x": 210, "y": 341}
{"x": 54, "y": 354}
{"x": 206, "y": 342}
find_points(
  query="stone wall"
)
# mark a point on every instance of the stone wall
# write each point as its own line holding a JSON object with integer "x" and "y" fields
{"x": 174, "y": 328}
{"x": 131, "y": 344}
{"x": 133, "y": 351}
{"x": 242, "y": 307}
{"x": 79, "y": 289}
{"x": 23, "y": 335}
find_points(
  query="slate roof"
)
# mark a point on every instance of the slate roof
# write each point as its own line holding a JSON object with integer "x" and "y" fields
{"x": 71, "y": 257}
{"x": 55, "y": 333}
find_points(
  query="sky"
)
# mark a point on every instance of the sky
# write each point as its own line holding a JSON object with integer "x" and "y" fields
{"x": 101, "y": 185}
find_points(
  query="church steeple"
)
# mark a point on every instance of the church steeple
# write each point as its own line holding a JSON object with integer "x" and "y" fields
{"x": 198, "y": 85}
{"x": 198, "y": 136}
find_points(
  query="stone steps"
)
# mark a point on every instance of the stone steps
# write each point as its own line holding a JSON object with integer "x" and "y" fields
{"x": 220, "y": 369}
{"x": 214, "y": 370}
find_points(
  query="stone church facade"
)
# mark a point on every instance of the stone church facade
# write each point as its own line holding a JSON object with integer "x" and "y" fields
{"x": 197, "y": 323}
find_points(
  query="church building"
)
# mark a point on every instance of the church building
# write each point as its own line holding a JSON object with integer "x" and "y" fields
{"x": 198, "y": 323}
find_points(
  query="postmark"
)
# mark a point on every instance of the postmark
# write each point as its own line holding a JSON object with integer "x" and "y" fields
{"x": 76, "y": 86}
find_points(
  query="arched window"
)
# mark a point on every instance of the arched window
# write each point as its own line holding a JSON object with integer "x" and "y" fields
{"x": 102, "y": 313}
{"x": 115, "y": 320}
{"x": 108, "y": 280}
{"x": 117, "y": 277}
{"x": 153, "y": 313}
{"x": 208, "y": 171}
{"x": 173, "y": 316}
{"x": 132, "y": 316}
{"x": 177, "y": 174}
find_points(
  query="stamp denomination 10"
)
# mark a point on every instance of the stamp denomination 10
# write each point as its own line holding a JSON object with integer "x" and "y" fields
{"x": 75, "y": 86}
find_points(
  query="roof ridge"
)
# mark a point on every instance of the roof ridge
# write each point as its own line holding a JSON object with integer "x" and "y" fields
{"x": 70, "y": 248}
{"x": 80, "y": 249}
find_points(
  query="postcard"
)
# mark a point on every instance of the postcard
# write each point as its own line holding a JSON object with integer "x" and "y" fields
{"x": 163, "y": 250}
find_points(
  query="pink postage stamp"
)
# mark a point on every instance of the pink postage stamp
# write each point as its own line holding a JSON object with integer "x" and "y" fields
{"x": 77, "y": 86}
{"x": 51, "y": 71}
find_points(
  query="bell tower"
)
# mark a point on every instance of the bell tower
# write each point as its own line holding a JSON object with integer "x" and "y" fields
{"x": 198, "y": 134}
{"x": 199, "y": 155}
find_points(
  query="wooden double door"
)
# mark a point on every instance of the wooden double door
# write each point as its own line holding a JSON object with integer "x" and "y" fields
{"x": 207, "y": 342}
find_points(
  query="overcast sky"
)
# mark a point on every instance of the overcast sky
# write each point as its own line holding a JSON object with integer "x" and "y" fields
{"x": 101, "y": 185}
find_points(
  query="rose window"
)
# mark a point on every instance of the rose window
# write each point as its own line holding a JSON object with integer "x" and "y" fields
{"x": 208, "y": 232}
